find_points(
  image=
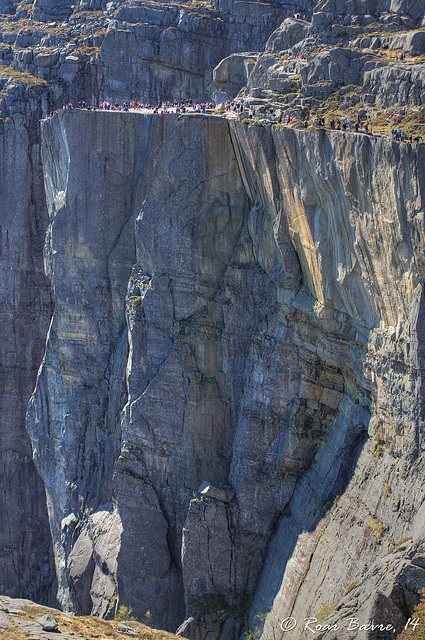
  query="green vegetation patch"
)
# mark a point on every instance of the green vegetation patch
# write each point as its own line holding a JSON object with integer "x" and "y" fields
{"x": 377, "y": 529}
{"x": 91, "y": 627}
{"x": 387, "y": 488}
{"x": 380, "y": 448}
{"x": 125, "y": 614}
{"x": 89, "y": 51}
{"x": 325, "y": 610}
{"x": 21, "y": 77}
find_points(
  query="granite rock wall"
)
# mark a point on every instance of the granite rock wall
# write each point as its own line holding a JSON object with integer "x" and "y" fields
{"x": 236, "y": 348}
{"x": 26, "y": 306}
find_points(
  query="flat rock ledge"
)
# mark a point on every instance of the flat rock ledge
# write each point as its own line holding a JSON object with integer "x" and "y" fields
{"x": 11, "y": 611}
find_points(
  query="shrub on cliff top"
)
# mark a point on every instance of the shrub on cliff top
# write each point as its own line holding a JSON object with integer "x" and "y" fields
{"x": 124, "y": 614}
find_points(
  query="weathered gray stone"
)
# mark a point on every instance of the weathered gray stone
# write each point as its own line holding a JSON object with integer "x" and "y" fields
{"x": 46, "y": 59}
{"x": 5, "y": 620}
{"x": 297, "y": 551}
{"x": 394, "y": 82}
{"x": 270, "y": 396}
{"x": 46, "y": 10}
{"x": 367, "y": 10}
{"x": 173, "y": 52}
{"x": 415, "y": 43}
{"x": 231, "y": 74}
{"x": 122, "y": 627}
{"x": 206, "y": 626}
{"x": 281, "y": 320}
{"x": 25, "y": 303}
{"x": 80, "y": 567}
{"x": 289, "y": 33}
{"x": 207, "y": 563}
{"x": 104, "y": 255}
{"x": 48, "y": 622}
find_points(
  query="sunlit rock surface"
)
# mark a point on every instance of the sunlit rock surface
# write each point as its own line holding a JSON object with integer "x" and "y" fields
{"x": 229, "y": 407}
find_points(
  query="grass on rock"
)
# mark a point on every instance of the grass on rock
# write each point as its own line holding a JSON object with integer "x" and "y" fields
{"x": 88, "y": 627}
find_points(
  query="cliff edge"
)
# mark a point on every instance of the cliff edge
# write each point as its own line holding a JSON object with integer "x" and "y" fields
{"x": 228, "y": 417}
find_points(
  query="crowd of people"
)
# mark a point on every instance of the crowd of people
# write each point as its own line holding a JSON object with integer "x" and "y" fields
{"x": 183, "y": 106}
{"x": 239, "y": 109}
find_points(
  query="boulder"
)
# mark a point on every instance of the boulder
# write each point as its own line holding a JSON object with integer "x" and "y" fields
{"x": 289, "y": 33}
{"x": 415, "y": 43}
{"x": 231, "y": 74}
{"x": 48, "y": 622}
{"x": 127, "y": 629}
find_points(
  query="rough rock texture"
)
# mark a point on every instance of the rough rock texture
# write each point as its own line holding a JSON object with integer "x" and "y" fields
{"x": 133, "y": 50}
{"x": 48, "y": 622}
{"x": 21, "y": 619}
{"x": 231, "y": 74}
{"x": 229, "y": 404}
{"x": 270, "y": 444}
{"x": 324, "y": 72}
{"x": 174, "y": 51}
{"x": 342, "y": 49}
{"x": 186, "y": 376}
{"x": 289, "y": 33}
{"x": 73, "y": 415}
{"x": 360, "y": 321}
{"x": 14, "y": 621}
{"x": 25, "y": 547}
{"x": 120, "y": 51}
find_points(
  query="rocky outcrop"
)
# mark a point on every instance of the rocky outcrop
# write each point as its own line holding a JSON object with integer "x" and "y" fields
{"x": 375, "y": 506}
{"x": 327, "y": 12}
{"x": 230, "y": 395}
{"x": 288, "y": 34}
{"x": 271, "y": 412}
{"x": 132, "y": 50}
{"x": 231, "y": 75}
{"x": 21, "y": 618}
{"x": 345, "y": 52}
{"x": 172, "y": 51}
{"x": 283, "y": 77}
{"x": 49, "y": 57}
{"x": 73, "y": 415}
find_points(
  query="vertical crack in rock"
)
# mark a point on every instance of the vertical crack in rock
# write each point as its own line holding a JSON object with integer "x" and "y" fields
{"x": 265, "y": 446}
{"x": 179, "y": 425}
{"x": 93, "y": 168}
{"x": 348, "y": 203}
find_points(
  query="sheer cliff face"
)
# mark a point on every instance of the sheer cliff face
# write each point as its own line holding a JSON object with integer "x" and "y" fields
{"x": 74, "y": 415}
{"x": 241, "y": 307}
{"x": 25, "y": 545}
{"x": 352, "y": 207}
